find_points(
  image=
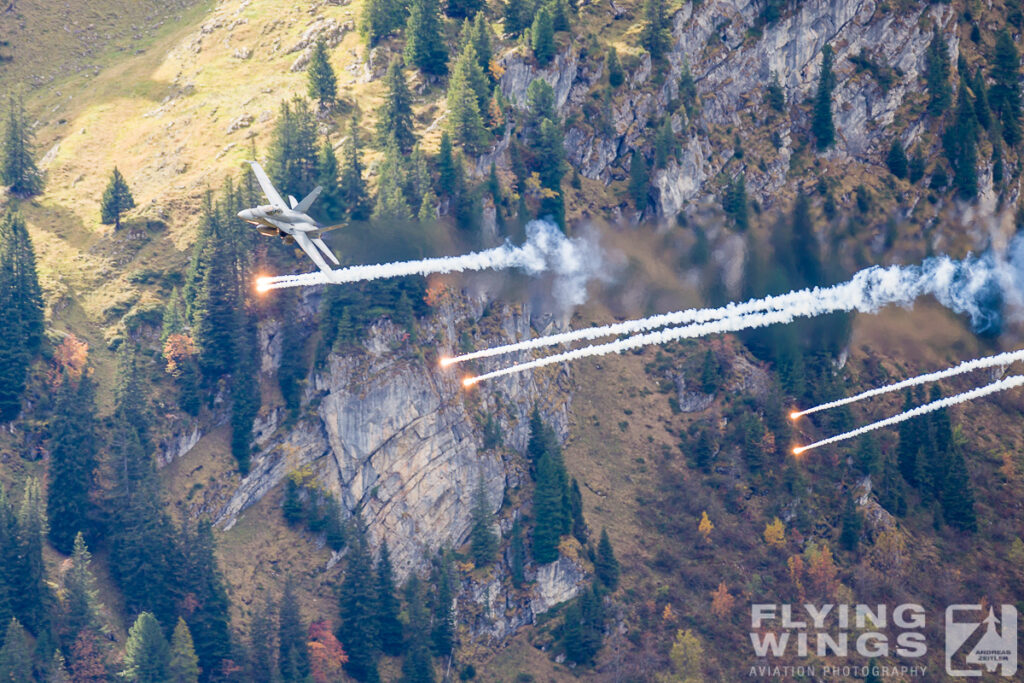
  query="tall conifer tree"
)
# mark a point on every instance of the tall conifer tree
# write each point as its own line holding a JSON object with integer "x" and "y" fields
{"x": 18, "y": 169}
{"x": 74, "y": 448}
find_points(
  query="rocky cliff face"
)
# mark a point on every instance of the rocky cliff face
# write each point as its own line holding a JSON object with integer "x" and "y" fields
{"x": 392, "y": 434}
{"x": 731, "y": 61}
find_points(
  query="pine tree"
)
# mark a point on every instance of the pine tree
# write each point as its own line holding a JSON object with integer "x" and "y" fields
{"x": 915, "y": 168}
{"x": 547, "y": 510}
{"x": 391, "y": 202}
{"x": 331, "y": 204}
{"x": 58, "y": 672}
{"x": 704, "y": 450}
{"x": 1005, "y": 96}
{"x": 664, "y": 144}
{"x": 735, "y": 202}
{"x": 353, "y": 186}
{"x": 606, "y": 566}
{"x": 203, "y": 585}
{"x": 417, "y": 666}
{"x": 482, "y": 539}
{"x": 447, "y": 171}
{"x": 183, "y": 666}
{"x": 461, "y": 9}
{"x": 17, "y": 168}
{"x": 654, "y": 34}
{"x": 465, "y": 123}
{"x": 81, "y": 602}
{"x": 74, "y": 448}
{"x": 292, "y": 154}
{"x": 822, "y": 125}
{"x": 29, "y": 592}
{"x": 117, "y": 199}
{"x": 388, "y": 625}
{"x": 639, "y": 180}
{"x": 216, "y": 304}
{"x": 8, "y": 549}
{"x": 542, "y": 36}
{"x": 957, "y": 495}
{"x": 482, "y": 43}
{"x": 896, "y": 160}
{"x": 395, "y": 117}
{"x": 358, "y": 630}
{"x": 849, "y": 535}
{"x": 293, "y": 659}
{"x": 16, "y": 655}
{"x": 424, "y": 44}
{"x": 442, "y": 635}
{"x": 517, "y": 14}
{"x": 960, "y": 144}
{"x": 140, "y": 535}
{"x": 909, "y": 443}
{"x": 323, "y": 84}
{"x": 476, "y": 74}
{"x": 775, "y": 96}
{"x": 559, "y": 14}
{"x": 146, "y": 652}
{"x": 583, "y": 627}
{"x": 381, "y": 18}
{"x": 262, "y": 647}
{"x": 937, "y": 73}
{"x": 981, "y": 107}
{"x": 21, "y": 312}
{"x": 518, "y": 555}
{"x": 579, "y": 522}
{"x": 616, "y": 76}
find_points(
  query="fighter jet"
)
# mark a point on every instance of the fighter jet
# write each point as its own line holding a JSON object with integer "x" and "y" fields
{"x": 290, "y": 222}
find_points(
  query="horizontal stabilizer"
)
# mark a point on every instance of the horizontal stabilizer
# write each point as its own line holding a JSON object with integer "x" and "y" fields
{"x": 322, "y": 246}
{"x": 293, "y": 201}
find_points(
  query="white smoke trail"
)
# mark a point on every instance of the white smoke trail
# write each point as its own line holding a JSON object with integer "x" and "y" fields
{"x": 574, "y": 261}
{"x": 967, "y": 286}
{"x": 998, "y": 360}
{"x": 1011, "y": 382}
{"x": 689, "y": 316}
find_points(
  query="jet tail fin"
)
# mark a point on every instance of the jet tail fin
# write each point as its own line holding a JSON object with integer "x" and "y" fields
{"x": 308, "y": 200}
{"x": 292, "y": 201}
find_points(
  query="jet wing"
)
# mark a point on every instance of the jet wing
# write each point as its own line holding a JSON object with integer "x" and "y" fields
{"x": 302, "y": 239}
{"x": 268, "y": 188}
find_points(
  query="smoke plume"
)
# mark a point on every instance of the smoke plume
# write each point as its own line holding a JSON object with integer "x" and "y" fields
{"x": 573, "y": 262}
{"x": 1004, "y": 384}
{"x": 998, "y": 360}
{"x": 974, "y": 286}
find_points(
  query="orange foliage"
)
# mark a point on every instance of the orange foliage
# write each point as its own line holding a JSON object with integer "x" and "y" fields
{"x": 722, "y": 601}
{"x": 822, "y": 569}
{"x": 796, "y": 573}
{"x": 325, "y": 653}
{"x": 705, "y": 526}
{"x": 87, "y": 664}
{"x": 69, "y": 357}
{"x": 437, "y": 294}
{"x": 177, "y": 349}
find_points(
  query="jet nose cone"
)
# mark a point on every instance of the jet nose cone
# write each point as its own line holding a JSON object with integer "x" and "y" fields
{"x": 245, "y": 214}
